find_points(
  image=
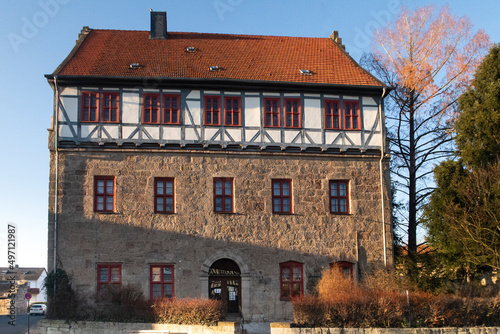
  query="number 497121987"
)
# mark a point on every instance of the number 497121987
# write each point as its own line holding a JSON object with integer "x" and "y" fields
{"x": 11, "y": 247}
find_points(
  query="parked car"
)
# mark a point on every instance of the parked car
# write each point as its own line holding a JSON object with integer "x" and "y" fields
{"x": 38, "y": 309}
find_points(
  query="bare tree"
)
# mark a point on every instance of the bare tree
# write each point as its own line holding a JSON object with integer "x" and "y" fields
{"x": 429, "y": 57}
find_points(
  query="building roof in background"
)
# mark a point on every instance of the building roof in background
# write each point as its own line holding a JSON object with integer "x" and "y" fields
{"x": 110, "y": 53}
{"x": 21, "y": 274}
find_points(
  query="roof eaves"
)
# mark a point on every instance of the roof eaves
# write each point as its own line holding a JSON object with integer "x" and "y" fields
{"x": 159, "y": 81}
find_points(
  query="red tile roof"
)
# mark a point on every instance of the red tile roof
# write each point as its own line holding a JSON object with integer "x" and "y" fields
{"x": 239, "y": 57}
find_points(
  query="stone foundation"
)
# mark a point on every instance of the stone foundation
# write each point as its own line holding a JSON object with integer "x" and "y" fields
{"x": 284, "y": 328}
{"x": 91, "y": 327}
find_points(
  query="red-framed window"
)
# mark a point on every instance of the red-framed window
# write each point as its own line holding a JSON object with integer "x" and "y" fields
{"x": 272, "y": 112}
{"x": 345, "y": 267}
{"x": 109, "y": 276}
{"x": 232, "y": 111}
{"x": 282, "y": 196}
{"x": 212, "y": 110}
{"x": 351, "y": 115}
{"x": 332, "y": 114}
{"x": 291, "y": 280}
{"x": 293, "y": 113}
{"x": 164, "y": 195}
{"x": 90, "y": 107}
{"x": 339, "y": 197}
{"x": 110, "y": 107}
{"x": 161, "y": 281}
{"x": 104, "y": 193}
{"x": 171, "y": 109}
{"x": 223, "y": 195}
{"x": 151, "y": 108}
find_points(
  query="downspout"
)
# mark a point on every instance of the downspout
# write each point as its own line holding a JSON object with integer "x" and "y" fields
{"x": 56, "y": 136}
{"x": 382, "y": 153}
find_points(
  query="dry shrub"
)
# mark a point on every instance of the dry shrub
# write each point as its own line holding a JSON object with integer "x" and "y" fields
{"x": 122, "y": 304}
{"x": 188, "y": 311}
{"x": 334, "y": 286}
{"x": 308, "y": 311}
{"x": 380, "y": 302}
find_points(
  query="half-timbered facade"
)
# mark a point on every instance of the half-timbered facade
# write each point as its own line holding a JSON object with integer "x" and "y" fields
{"x": 233, "y": 167}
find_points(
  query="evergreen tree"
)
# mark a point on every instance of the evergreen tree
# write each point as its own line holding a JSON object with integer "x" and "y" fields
{"x": 463, "y": 215}
{"x": 478, "y": 127}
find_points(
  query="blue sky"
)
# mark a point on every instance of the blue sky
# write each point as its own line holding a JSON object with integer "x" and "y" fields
{"x": 36, "y": 36}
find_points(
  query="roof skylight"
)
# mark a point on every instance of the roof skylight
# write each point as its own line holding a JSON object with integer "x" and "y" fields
{"x": 190, "y": 49}
{"x": 305, "y": 72}
{"x": 213, "y": 68}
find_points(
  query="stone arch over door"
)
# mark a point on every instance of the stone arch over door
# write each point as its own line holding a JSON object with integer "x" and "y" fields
{"x": 245, "y": 278}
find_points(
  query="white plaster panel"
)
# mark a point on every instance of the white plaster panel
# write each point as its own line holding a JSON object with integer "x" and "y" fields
{"x": 292, "y": 95}
{"x": 249, "y": 134}
{"x": 194, "y": 94}
{"x": 154, "y": 132}
{"x": 315, "y": 136}
{"x": 148, "y": 90}
{"x": 90, "y": 88}
{"x": 332, "y": 97}
{"x": 131, "y": 107}
{"x": 171, "y": 91}
{"x": 315, "y": 96}
{"x": 194, "y": 107}
{"x": 70, "y": 105}
{"x": 355, "y": 137}
{"x": 374, "y": 140}
{"x": 232, "y": 93}
{"x": 369, "y": 100}
{"x": 235, "y": 134}
{"x": 274, "y": 134}
{"x": 271, "y": 94}
{"x": 369, "y": 117}
{"x": 65, "y": 131}
{"x": 86, "y": 129}
{"x": 347, "y": 97}
{"x": 290, "y": 136}
{"x": 331, "y": 136}
{"x": 252, "y": 111}
{"x": 69, "y": 91}
{"x": 112, "y": 130}
{"x": 313, "y": 114}
{"x": 211, "y": 92}
{"x": 210, "y": 132}
{"x": 171, "y": 133}
{"x": 127, "y": 131}
{"x": 190, "y": 134}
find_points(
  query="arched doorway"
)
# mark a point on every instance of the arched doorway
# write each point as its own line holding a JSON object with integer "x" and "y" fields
{"x": 224, "y": 283}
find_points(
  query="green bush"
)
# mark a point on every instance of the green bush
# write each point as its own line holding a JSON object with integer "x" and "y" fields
{"x": 62, "y": 301}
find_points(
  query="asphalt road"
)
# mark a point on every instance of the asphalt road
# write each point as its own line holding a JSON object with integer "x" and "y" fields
{"x": 21, "y": 324}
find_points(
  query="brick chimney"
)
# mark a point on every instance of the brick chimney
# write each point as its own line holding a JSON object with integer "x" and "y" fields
{"x": 158, "y": 25}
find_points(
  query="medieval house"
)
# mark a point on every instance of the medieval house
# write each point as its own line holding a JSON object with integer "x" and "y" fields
{"x": 220, "y": 166}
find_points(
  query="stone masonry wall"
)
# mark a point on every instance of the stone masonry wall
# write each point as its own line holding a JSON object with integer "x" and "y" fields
{"x": 195, "y": 236}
